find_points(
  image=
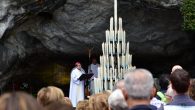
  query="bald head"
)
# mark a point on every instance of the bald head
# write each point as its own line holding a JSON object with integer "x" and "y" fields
{"x": 175, "y": 68}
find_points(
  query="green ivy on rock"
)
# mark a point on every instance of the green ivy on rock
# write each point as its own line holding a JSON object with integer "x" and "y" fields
{"x": 188, "y": 11}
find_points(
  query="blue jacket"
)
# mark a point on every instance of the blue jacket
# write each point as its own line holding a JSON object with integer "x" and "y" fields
{"x": 144, "y": 107}
{"x": 182, "y": 100}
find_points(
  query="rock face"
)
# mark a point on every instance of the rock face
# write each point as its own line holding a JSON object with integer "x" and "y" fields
{"x": 36, "y": 32}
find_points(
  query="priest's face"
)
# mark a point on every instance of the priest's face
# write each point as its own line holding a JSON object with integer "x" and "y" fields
{"x": 79, "y": 66}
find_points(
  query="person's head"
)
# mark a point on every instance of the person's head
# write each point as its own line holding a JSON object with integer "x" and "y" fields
{"x": 78, "y": 65}
{"x": 180, "y": 81}
{"x": 120, "y": 85}
{"x": 58, "y": 106}
{"x": 139, "y": 84}
{"x": 99, "y": 102}
{"x": 175, "y": 67}
{"x": 82, "y": 105}
{"x": 164, "y": 81}
{"x": 192, "y": 89}
{"x": 94, "y": 61}
{"x": 154, "y": 90}
{"x": 169, "y": 94}
{"x": 18, "y": 101}
{"x": 50, "y": 94}
{"x": 67, "y": 101}
{"x": 117, "y": 100}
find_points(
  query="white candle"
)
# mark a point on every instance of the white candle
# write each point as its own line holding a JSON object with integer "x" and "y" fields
{"x": 103, "y": 48}
{"x": 104, "y": 60}
{"x": 127, "y": 59}
{"x": 130, "y": 59}
{"x": 105, "y": 73}
{"x": 106, "y": 86}
{"x": 111, "y": 49}
{"x": 111, "y": 84}
{"x": 115, "y": 74}
{"x": 118, "y": 66}
{"x": 107, "y": 36}
{"x": 123, "y": 61}
{"x": 107, "y": 61}
{"x": 127, "y": 51}
{"x": 111, "y": 23}
{"x": 99, "y": 72}
{"x": 113, "y": 46}
{"x": 115, "y": 15}
{"x": 124, "y": 34}
{"x": 112, "y": 35}
{"x": 102, "y": 72}
{"x": 107, "y": 48}
{"x": 120, "y": 23}
{"x": 122, "y": 47}
{"x": 118, "y": 48}
{"x": 112, "y": 62}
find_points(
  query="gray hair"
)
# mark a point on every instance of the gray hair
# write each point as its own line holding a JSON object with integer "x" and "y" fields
{"x": 117, "y": 101}
{"x": 139, "y": 84}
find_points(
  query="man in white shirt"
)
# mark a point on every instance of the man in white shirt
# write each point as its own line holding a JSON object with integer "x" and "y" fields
{"x": 93, "y": 68}
{"x": 76, "y": 92}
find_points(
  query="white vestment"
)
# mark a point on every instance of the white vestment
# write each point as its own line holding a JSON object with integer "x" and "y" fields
{"x": 93, "y": 68}
{"x": 76, "y": 92}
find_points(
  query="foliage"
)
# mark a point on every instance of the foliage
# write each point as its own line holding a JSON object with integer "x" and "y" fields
{"x": 188, "y": 11}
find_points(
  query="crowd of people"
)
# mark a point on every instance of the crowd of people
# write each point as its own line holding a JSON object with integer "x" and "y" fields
{"x": 137, "y": 91}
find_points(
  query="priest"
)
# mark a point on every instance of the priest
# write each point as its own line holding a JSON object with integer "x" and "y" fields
{"x": 76, "y": 92}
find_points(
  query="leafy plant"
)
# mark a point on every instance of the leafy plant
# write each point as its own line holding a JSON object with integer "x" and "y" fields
{"x": 188, "y": 11}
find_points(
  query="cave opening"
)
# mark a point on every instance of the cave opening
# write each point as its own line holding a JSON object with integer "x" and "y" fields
{"x": 37, "y": 71}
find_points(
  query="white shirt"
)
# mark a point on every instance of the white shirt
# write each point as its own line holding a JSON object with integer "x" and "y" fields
{"x": 94, "y": 69}
{"x": 156, "y": 102}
